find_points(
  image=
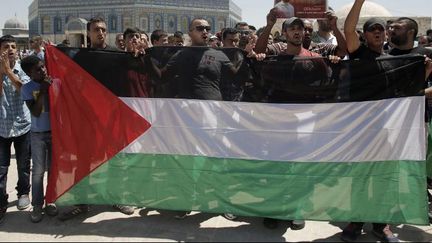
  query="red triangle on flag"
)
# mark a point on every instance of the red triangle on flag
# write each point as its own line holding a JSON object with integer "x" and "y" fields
{"x": 90, "y": 125}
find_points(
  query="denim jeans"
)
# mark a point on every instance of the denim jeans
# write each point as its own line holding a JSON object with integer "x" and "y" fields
{"x": 22, "y": 152}
{"x": 41, "y": 159}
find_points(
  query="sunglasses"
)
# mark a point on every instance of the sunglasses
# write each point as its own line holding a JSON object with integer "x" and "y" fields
{"x": 201, "y": 28}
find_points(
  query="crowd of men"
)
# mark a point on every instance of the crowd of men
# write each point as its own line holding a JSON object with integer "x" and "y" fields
{"x": 24, "y": 101}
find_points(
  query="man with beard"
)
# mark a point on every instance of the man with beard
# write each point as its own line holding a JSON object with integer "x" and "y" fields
{"x": 322, "y": 49}
{"x": 402, "y": 34}
{"x": 294, "y": 31}
{"x": 326, "y": 27}
{"x": 374, "y": 34}
{"x": 326, "y": 49}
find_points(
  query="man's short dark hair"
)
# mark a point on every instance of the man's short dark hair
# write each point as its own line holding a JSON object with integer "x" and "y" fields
{"x": 241, "y": 24}
{"x": 157, "y": 34}
{"x": 93, "y": 21}
{"x": 411, "y": 23}
{"x": 229, "y": 31}
{"x": 36, "y": 38}
{"x": 178, "y": 34}
{"x": 429, "y": 31}
{"x": 251, "y": 27}
{"x": 29, "y": 62}
{"x": 129, "y": 31}
{"x": 7, "y": 38}
{"x": 64, "y": 43}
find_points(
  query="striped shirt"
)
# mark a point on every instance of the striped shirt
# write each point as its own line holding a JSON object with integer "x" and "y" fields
{"x": 15, "y": 118}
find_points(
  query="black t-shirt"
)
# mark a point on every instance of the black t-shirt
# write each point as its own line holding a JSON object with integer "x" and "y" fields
{"x": 418, "y": 50}
{"x": 422, "y": 51}
{"x": 365, "y": 75}
{"x": 197, "y": 73}
{"x": 109, "y": 48}
{"x": 364, "y": 53}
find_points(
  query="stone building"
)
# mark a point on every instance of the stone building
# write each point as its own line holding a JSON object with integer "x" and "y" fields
{"x": 50, "y": 18}
{"x": 371, "y": 9}
{"x": 19, "y": 30}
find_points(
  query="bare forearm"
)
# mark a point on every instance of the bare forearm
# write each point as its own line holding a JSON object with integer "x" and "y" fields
{"x": 341, "y": 50}
{"x": 428, "y": 92}
{"x": 262, "y": 42}
{"x": 352, "y": 38}
{"x": 16, "y": 82}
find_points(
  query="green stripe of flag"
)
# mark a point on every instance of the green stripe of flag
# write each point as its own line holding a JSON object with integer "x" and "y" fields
{"x": 387, "y": 191}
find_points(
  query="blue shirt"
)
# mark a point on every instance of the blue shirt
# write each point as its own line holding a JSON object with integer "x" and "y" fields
{"x": 14, "y": 114}
{"x": 30, "y": 92}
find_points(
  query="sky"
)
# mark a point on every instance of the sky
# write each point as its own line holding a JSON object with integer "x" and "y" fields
{"x": 254, "y": 11}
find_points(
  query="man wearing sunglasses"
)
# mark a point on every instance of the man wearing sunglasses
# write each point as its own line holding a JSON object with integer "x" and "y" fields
{"x": 196, "y": 73}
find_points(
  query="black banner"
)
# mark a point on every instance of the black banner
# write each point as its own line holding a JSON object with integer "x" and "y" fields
{"x": 227, "y": 74}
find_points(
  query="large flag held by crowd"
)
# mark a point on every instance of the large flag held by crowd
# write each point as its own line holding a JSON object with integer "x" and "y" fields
{"x": 287, "y": 138}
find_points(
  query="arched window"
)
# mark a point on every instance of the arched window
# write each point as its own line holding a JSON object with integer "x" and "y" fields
{"x": 172, "y": 24}
{"x": 112, "y": 22}
{"x": 158, "y": 22}
{"x": 57, "y": 25}
{"x": 69, "y": 17}
{"x": 144, "y": 22}
{"x": 46, "y": 25}
{"x": 221, "y": 23}
{"x": 184, "y": 24}
{"x": 211, "y": 23}
{"x": 127, "y": 22}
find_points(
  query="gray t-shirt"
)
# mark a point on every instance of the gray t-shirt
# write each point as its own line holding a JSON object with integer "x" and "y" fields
{"x": 196, "y": 73}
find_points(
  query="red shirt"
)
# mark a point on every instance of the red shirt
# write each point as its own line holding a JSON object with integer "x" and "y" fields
{"x": 280, "y": 49}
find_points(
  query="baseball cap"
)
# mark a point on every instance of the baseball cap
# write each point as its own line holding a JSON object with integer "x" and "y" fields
{"x": 291, "y": 22}
{"x": 373, "y": 21}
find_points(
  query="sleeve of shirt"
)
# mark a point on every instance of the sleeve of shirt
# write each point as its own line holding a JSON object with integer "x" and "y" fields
{"x": 226, "y": 62}
{"x": 325, "y": 50}
{"x": 356, "y": 53}
{"x": 23, "y": 77}
{"x": 26, "y": 93}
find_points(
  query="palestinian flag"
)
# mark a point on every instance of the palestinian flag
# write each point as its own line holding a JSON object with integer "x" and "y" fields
{"x": 341, "y": 153}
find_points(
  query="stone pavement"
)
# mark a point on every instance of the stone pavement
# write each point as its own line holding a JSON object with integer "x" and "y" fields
{"x": 103, "y": 223}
